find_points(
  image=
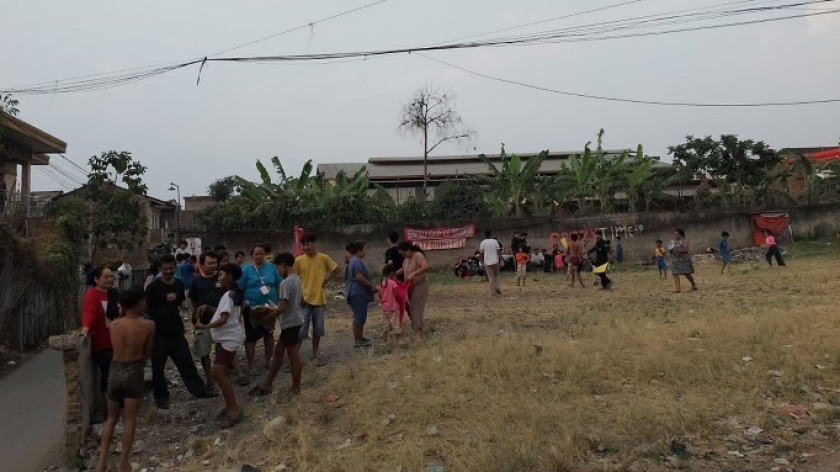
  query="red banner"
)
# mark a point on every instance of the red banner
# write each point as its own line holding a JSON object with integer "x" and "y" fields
{"x": 441, "y": 244}
{"x": 426, "y": 234}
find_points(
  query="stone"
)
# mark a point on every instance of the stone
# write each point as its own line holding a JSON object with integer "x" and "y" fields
{"x": 432, "y": 430}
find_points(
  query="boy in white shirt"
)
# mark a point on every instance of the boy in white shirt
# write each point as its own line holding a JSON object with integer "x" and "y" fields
{"x": 226, "y": 330}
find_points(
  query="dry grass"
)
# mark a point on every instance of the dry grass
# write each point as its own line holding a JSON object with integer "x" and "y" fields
{"x": 555, "y": 379}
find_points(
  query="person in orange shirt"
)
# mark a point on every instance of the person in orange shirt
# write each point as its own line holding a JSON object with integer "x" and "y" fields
{"x": 522, "y": 259}
{"x": 659, "y": 256}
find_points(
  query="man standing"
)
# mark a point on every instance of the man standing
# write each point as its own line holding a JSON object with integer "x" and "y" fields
{"x": 205, "y": 293}
{"x": 602, "y": 257}
{"x": 315, "y": 270}
{"x": 392, "y": 255}
{"x": 492, "y": 252}
{"x": 164, "y": 297}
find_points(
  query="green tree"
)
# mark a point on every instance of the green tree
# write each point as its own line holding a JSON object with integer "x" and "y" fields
{"x": 112, "y": 195}
{"x": 459, "y": 199}
{"x": 222, "y": 190}
{"x": 733, "y": 165}
{"x": 512, "y": 183}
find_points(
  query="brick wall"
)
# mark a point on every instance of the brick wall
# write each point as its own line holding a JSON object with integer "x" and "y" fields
{"x": 83, "y": 398}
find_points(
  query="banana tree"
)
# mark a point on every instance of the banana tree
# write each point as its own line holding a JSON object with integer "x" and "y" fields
{"x": 582, "y": 179}
{"x": 513, "y": 182}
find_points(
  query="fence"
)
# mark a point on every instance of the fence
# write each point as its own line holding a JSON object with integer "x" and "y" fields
{"x": 15, "y": 204}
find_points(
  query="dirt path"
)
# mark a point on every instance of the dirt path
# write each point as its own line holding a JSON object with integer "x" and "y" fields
{"x": 32, "y": 402}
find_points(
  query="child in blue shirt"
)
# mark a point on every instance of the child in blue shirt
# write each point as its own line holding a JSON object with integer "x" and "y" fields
{"x": 723, "y": 249}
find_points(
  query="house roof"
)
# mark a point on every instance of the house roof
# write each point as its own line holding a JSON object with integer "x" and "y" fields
{"x": 441, "y": 167}
{"x": 828, "y": 154}
{"x": 152, "y": 200}
{"x": 38, "y": 140}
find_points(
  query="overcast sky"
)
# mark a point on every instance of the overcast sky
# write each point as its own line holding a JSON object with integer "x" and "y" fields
{"x": 348, "y": 112}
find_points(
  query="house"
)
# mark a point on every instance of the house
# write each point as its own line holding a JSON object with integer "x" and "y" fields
{"x": 21, "y": 147}
{"x": 160, "y": 215}
{"x": 197, "y": 203}
{"x": 402, "y": 177}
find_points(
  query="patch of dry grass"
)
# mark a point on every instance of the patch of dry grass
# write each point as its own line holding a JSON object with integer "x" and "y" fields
{"x": 556, "y": 379}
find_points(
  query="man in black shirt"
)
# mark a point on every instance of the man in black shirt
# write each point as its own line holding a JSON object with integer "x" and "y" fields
{"x": 392, "y": 255}
{"x": 164, "y": 297}
{"x": 205, "y": 293}
{"x": 602, "y": 256}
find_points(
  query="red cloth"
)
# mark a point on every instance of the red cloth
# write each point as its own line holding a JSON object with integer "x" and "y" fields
{"x": 777, "y": 223}
{"x": 401, "y": 293}
{"x": 93, "y": 318}
{"x": 297, "y": 246}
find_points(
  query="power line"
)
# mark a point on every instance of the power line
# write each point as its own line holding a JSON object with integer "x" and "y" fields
{"x": 596, "y": 32}
{"x": 297, "y": 28}
{"x": 165, "y": 65}
{"x": 77, "y": 166}
{"x": 629, "y": 100}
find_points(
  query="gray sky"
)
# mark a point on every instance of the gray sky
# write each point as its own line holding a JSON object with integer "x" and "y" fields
{"x": 349, "y": 112}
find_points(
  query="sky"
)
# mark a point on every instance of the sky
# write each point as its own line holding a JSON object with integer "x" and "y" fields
{"x": 349, "y": 111}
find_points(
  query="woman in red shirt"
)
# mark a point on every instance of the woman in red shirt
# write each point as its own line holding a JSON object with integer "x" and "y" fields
{"x": 97, "y": 312}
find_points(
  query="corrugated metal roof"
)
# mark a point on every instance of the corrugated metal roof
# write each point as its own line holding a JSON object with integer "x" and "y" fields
{"x": 442, "y": 167}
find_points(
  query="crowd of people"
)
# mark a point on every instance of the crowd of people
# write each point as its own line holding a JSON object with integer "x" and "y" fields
{"x": 234, "y": 303}
{"x": 230, "y": 304}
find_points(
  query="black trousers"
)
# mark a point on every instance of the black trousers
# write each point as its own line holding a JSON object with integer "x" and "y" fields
{"x": 774, "y": 251}
{"x": 175, "y": 347}
{"x": 605, "y": 281}
{"x": 102, "y": 359}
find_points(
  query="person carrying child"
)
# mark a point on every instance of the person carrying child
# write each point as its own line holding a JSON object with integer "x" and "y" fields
{"x": 522, "y": 259}
{"x": 390, "y": 304}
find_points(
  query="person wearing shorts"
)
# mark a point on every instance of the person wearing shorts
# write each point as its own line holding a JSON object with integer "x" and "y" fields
{"x": 133, "y": 340}
{"x": 226, "y": 330}
{"x": 360, "y": 290}
{"x": 314, "y": 269}
{"x": 290, "y": 312}
{"x": 575, "y": 250}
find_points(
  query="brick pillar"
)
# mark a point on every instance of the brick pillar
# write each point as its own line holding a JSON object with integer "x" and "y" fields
{"x": 81, "y": 380}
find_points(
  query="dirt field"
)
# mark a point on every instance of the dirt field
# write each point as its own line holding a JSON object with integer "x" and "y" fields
{"x": 742, "y": 375}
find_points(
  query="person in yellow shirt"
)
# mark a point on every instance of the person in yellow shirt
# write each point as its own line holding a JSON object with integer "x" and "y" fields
{"x": 314, "y": 269}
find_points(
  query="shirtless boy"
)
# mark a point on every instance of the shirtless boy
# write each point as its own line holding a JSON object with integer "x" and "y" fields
{"x": 576, "y": 259}
{"x": 133, "y": 339}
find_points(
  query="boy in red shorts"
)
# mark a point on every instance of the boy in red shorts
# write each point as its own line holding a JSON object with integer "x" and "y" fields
{"x": 226, "y": 330}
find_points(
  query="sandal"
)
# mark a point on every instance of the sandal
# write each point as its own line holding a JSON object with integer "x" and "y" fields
{"x": 243, "y": 381}
{"x": 221, "y": 414}
{"x": 693, "y": 288}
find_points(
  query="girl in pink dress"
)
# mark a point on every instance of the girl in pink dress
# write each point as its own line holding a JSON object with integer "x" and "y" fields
{"x": 390, "y": 304}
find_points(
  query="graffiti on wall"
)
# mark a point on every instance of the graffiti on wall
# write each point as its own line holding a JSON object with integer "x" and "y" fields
{"x": 610, "y": 232}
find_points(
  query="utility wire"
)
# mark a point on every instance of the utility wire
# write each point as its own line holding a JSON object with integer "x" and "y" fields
{"x": 55, "y": 83}
{"x": 574, "y": 34}
{"x": 629, "y": 100}
{"x": 298, "y": 28}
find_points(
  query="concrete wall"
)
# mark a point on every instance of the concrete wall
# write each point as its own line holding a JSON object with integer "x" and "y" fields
{"x": 638, "y": 231}
{"x": 83, "y": 396}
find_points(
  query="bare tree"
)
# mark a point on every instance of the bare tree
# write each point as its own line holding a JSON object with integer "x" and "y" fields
{"x": 431, "y": 115}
